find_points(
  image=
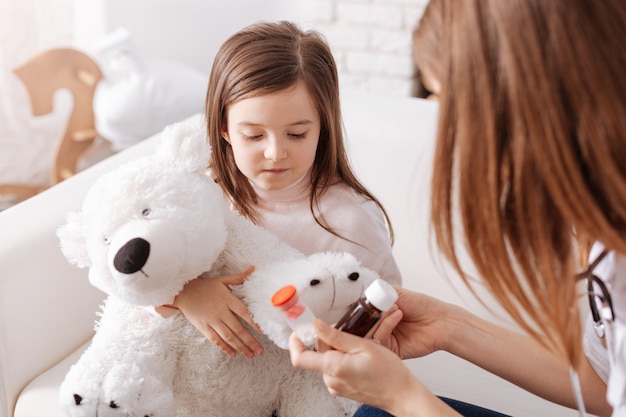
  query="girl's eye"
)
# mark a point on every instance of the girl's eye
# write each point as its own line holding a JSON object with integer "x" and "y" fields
{"x": 251, "y": 137}
{"x": 298, "y": 135}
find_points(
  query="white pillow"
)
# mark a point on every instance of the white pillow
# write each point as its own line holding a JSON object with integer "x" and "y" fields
{"x": 145, "y": 100}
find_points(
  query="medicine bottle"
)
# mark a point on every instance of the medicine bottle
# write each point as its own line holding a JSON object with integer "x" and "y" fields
{"x": 299, "y": 317}
{"x": 377, "y": 298}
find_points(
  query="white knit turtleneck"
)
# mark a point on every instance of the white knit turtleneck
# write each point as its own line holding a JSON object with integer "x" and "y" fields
{"x": 287, "y": 214}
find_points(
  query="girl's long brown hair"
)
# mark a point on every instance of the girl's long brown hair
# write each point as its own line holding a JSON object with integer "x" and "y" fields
{"x": 531, "y": 147}
{"x": 264, "y": 58}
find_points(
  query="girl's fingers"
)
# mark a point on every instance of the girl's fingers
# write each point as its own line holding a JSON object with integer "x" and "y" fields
{"x": 239, "y": 309}
{"x": 215, "y": 338}
{"x": 237, "y": 279}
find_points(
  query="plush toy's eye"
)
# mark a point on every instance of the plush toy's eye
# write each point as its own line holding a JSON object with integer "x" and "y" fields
{"x": 145, "y": 212}
{"x": 107, "y": 239}
{"x": 353, "y": 276}
{"x": 314, "y": 282}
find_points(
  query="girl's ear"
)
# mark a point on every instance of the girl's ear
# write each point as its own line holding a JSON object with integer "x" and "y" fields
{"x": 224, "y": 130}
{"x": 225, "y": 136}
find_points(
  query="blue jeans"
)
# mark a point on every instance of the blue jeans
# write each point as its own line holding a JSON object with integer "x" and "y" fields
{"x": 465, "y": 409}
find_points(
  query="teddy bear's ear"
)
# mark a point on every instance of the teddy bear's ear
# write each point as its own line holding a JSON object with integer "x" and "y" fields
{"x": 185, "y": 145}
{"x": 73, "y": 242}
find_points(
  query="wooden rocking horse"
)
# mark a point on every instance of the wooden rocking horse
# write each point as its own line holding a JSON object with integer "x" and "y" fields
{"x": 43, "y": 75}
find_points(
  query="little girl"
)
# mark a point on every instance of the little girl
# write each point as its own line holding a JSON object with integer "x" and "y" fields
{"x": 274, "y": 124}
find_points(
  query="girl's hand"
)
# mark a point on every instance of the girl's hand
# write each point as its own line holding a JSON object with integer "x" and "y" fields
{"x": 357, "y": 368}
{"x": 211, "y": 307}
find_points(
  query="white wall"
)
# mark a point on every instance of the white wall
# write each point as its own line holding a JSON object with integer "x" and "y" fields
{"x": 371, "y": 40}
{"x": 191, "y": 31}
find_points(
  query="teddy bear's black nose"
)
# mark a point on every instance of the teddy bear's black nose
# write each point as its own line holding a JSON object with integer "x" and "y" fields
{"x": 131, "y": 257}
{"x": 353, "y": 276}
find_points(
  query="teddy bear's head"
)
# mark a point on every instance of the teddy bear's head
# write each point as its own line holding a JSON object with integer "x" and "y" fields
{"x": 152, "y": 224}
{"x": 326, "y": 282}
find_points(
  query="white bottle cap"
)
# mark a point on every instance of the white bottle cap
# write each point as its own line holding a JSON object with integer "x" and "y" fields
{"x": 381, "y": 294}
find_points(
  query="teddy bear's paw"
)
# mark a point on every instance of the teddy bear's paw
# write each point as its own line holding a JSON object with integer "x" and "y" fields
{"x": 123, "y": 392}
{"x": 79, "y": 392}
{"x": 79, "y": 406}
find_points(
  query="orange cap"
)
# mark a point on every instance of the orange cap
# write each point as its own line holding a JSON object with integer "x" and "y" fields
{"x": 284, "y": 295}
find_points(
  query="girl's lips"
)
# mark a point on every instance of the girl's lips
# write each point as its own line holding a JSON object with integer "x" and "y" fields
{"x": 275, "y": 171}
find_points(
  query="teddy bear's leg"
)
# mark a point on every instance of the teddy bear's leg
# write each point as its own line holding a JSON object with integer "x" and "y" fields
{"x": 123, "y": 372}
{"x": 305, "y": 395}
{"x": 130, "y": 387}
{"x": 79, "y": 393}
{"x": 138, "y": 386}
{"x": 209, "y": 383}
{"x": 138, "y": 391}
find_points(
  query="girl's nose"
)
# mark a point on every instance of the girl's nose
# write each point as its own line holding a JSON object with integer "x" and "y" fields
{"x": 275, "y": 150}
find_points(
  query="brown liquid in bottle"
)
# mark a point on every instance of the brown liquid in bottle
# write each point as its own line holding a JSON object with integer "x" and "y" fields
{"x": 367, "y": 310}
{"x": 360, "y": 318}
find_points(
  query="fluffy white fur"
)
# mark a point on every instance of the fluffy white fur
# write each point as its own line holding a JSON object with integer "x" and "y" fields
{"x": 147, "y": 228}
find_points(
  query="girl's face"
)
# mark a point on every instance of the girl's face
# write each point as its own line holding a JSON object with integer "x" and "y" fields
{"x": 274, "y": 137}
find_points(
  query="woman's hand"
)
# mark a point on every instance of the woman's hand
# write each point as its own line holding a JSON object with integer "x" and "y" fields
{"x": 365, "y": 371}
{"x": 212, "y": 308}
{"x": 416, "y": 326}
{"x": 422, "y": 325}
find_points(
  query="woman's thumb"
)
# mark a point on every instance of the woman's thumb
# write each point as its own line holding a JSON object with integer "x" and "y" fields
{"x": 336, "y": 339}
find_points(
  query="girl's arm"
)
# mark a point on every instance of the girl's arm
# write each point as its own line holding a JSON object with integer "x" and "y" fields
{"x": 363, "y": 224}
{"x": 211, "y": 307}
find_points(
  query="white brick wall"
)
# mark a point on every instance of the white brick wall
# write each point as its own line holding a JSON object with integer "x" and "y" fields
{"x": 371, "y": 40}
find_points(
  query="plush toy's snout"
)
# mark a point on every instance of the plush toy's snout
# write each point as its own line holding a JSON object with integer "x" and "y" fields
{"x": 132, "y": 257}
{"x": 146, "y": 253}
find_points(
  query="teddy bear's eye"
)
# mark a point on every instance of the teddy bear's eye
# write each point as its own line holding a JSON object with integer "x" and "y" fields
{"x": 145, "y": 212}
{"x": 107, "y": 239}
{"x": 314, "y": 282}
{"x": 353, "y": 276}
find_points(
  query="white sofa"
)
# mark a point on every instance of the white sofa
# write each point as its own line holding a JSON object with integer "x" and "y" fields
{"x": 47, "y": 307}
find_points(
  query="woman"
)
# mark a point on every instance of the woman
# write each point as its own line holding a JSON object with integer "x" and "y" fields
{"x": 531, "y": 150}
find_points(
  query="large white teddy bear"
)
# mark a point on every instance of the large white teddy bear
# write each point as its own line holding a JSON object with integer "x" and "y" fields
{"x": 144, "y": 230}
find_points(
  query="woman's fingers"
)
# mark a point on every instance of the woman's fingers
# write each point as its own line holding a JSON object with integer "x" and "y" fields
{"x": 329, "y": 339}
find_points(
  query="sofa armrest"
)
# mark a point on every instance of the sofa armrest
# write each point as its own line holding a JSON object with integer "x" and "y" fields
{"x": 47, "y": 306}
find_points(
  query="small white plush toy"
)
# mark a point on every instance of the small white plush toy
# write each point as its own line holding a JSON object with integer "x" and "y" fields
{"x": 147, "y": 228}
